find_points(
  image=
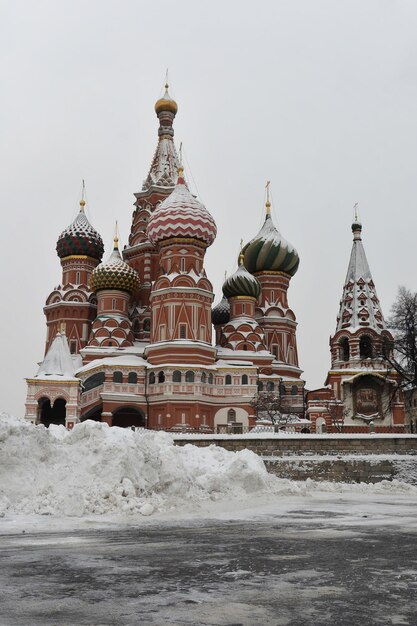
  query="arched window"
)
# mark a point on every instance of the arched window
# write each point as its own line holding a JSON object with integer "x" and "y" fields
{"x": 146, "y": 325}
{"x": 161, "y": 377}
{"x": 270, "y": 385}
{"x": 94, "y": 381}
{"x": 203, "y": 378}
{"x": 231, "y": 416}
{"x": 344, "y": 349}
{"x": 117, "y": 377}
{"x": 228, "y": 379}
{"x": 294, "y": 390}
{"x": 152, "y": 378}
{"x": 282, "y": 390}
{"x": 210, "y": 379}
{"x": 245, "y": 347}
{"x": 189, "y": 377}
{"x": 176, "y": 376}
{"x": 244, "y": 379}
{"x": 132, "y": 378}
{"x": 365, "y": 347}
{"x": 260, "y": 386}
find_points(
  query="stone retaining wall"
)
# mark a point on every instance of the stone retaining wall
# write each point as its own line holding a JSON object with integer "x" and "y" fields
{"x": 335, "y": 470}
{"x": 335, "y": 458}
{"x": 309, "y": 444}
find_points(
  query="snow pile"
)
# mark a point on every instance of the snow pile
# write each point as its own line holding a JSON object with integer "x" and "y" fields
{"x": 94, "y": 469}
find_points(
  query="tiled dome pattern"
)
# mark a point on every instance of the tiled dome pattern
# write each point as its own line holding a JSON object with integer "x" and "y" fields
{"x": 220, "y": 314}
{"x": 80, "y": 238}
{"x": 114, "y": 274}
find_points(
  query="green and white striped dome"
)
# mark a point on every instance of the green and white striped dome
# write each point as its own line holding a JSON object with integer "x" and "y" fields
{"x": 241, "y": 283}
{"x": 270, "y": 252}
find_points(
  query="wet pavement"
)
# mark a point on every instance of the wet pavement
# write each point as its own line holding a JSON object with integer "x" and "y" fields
{"x": 262, "y": 571}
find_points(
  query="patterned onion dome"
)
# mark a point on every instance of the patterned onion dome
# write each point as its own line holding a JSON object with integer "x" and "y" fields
{"x": 181, "y": 215}
{"x": 241, "y": 283}
{"x": 220, "y": 314}
{"x": 166, "y": 103}
{"x": 80, "y": 238}
{"x": 114, "y": 274}
{"x": 270, "y": 252}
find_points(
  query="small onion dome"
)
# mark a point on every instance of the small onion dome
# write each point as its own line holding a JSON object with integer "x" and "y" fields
{"x": 166, "y": 103}
{"x": 181, "y": 215}
{"x": 220, "y": 314}
{"x": 114, "y": 274}
{"x": 80, "y": 238}
{"x": 241, "y": 283}
{"x": 270, "y": 252}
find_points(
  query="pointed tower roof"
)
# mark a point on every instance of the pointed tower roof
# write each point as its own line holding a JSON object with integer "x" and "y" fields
{"x": 58, "y": 362}
{"x": 359, "y": 307}
{"x": 164, "y": 166}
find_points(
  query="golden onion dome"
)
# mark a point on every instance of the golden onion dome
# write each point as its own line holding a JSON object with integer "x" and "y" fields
{"x": 114, "y": 274}
{"x": 166, "y": 103}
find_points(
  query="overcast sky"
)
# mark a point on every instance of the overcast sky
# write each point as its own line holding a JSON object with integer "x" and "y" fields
{"x": 317, "y": 96}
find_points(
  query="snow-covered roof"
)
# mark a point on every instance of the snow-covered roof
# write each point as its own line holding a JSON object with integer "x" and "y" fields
{"x": 359, "y": 306}
{"x": 58, "y": 363}
{"x": 127, "y": 360}
{"x": 164, "y": 166}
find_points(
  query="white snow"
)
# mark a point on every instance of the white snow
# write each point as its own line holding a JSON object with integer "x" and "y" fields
{"x": 96, "y": 470}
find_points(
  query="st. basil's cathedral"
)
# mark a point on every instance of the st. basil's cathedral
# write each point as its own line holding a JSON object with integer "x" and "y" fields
{"x": 130, "y": 339}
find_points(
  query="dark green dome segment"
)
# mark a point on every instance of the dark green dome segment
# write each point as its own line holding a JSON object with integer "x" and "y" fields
{"x": 270, "y": 252}
{"x": 220, "y": 314}
{"x": 80, "y": 238}
{"x": 114, "y": 274}
{"x": 241, "y": 283}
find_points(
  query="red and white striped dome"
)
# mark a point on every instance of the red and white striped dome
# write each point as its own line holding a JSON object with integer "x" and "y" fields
{"x": 181, "y": 215}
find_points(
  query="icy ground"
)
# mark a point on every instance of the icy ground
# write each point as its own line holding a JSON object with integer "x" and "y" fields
{"x": 110, "y": 527}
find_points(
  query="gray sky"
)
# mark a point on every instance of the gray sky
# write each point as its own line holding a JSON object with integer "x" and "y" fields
{"x": 316, "y": 95}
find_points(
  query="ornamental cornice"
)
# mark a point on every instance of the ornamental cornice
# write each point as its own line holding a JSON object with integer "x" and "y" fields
{"x": 52, "y": 383}
{"x": 272, "y": 273}
{"x": 182, "y": 240}
{"x": 79, "y": 257}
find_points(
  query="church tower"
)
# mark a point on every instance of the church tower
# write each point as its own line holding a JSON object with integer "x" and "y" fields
{"x": 181, "y": 230}
{"x": 274, "y": 261}
{"x": 361, "y": 387}
{"x": 113, "y": 282}
{"x": 80, "y": 249}
{"x": 160, "y": 182}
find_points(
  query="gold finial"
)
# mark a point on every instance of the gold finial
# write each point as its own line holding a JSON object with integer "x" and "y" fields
{"x": 180, "y": 165}
{"x": 82, "y": 201}
{"x": 268, "y": 203}
{"x": 166, "y": 79}
{"x": 241, "y": 255}
{"x": 116, "y": 238}
{"x": 355, "y": 209}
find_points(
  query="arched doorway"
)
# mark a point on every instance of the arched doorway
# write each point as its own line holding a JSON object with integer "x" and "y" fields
{"x": 93, "y": 414}
{"x": 54, "y": 414}
{"x": 128, "y": 416}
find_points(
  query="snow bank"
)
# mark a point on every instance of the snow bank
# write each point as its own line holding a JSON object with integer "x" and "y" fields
{"x": 94, "y": 469}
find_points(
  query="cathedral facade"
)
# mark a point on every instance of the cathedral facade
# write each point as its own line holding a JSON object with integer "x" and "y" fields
{"x": 130, "y": 339}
